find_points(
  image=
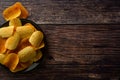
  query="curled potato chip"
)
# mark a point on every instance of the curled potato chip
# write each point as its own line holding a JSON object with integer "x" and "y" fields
{"x": 23, "y": 43}
{"x": 22, "y": 66}
{"x": 26, "y": 54}
{"x": 36, "y": 38}
{"x": 24, "y": 13}
{"x": 18, "y": 68}
{"x": 25, "y": 31}
{"x": 14, "y": 11}
{"x": 2, "y": 45}
{"x": 11, "y": 12}
{"x": 11, "y": 61}
{"x": 31, "y": 26}
{"x": 42, "y": 44}
{"x": 12, "y": 42}
{"x": 15, "y": 22}
{"x": 38, "y": 56}
{"x": 6, "y": 32}
{"x": 2, "y": 56}
{"x": 26, "y": 64}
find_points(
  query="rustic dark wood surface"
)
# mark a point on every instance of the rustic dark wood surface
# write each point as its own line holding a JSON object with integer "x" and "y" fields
{"x": 69, "y": 11}
{"x": 83, "y": 39}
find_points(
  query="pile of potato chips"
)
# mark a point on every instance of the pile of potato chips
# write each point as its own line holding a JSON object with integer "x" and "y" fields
{"x": 20, "y": 45}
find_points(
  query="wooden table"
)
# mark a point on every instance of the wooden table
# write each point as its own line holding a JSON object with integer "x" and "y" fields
{"x": 83, "y": 39}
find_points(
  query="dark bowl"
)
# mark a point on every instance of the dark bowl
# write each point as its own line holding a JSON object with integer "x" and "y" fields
{"x": 35, "y": 64}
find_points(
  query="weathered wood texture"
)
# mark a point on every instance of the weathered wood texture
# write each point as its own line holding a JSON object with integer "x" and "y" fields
{"x": 83, "y": 43}
{"x": 76, "y": 52}
{"x": 69, "y": 11}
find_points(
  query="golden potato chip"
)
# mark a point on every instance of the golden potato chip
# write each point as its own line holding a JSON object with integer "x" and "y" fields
{"x": 22, "y": 66}
{"x": 24, "y": 43}
{"x": 15, "y": 22}
{"x": 11, "y": 61}
{"x": 6, "y": 32}
{"x": 11, "y": 12}
{"x": 31, "y": 26}
{"x": 25, "y": 31}
{"x": 2, "y": 45}
{"x": 12, "y": 42}
{"x": 26, "y": 54}
{"x": 26, "y": 64}
{"x": 38, "y": 56}
{"x": 18, "y": 68}
{"x": 42, "y": 44}
{"x": 24, "y": 12}
{"x": 2, "y": 56}
{"x": 14, "y": 11}
{"x": 36, "y": 38}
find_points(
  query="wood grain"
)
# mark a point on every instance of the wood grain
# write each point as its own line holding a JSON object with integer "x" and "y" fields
{"x": 82, "y": 39}
{"x": 64, "y": 72}
{"x": 83, "y": 44}
{"x": 76, "y": 52}
{"x": 69, "y": 11}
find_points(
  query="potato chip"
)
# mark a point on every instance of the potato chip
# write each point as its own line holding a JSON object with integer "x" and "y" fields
{"x": 26, "y": 64}
{"x": 2, "y": 45}
{"x": 16, "y": 22}
{"x": 36, "y": 38}
{"x": 11, "y": 61}
{"x": 38, "y": 56}
{"x": 2, "y": 57}
{"x": 42, "y": 44}
{"x": 11, "y": 12}
{"x": 18, "y": 68}
{"x": 12, "y": 42}
{"x": 31, "y": 26}
{"x": 24, "y": 13}
{"x": 25, "y": 31}
{"x": 22, "y": 66}
{"x": 14, "y": 11}
{"x": 24, "y": 43}
{"x": 26, "y": 54}
{"x": 6, "y": 32}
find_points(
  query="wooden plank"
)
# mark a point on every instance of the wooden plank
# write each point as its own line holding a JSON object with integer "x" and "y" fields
{"x": 76, "y": 52}
{"x": 64, "y": 72}
{"x": 69, "y": 11}
{"x": 68, "y": 59}
{"x": 83, "y": 36}
{"x": 83, "y": 44}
